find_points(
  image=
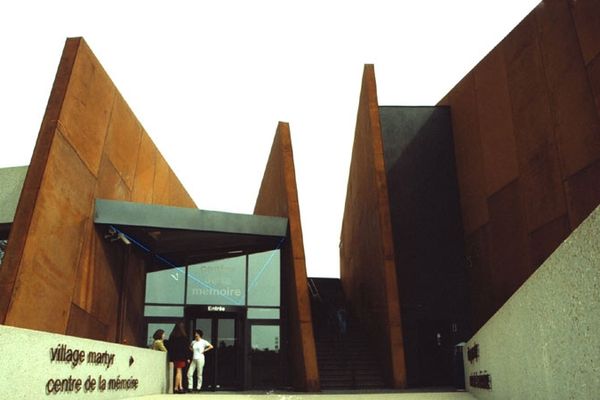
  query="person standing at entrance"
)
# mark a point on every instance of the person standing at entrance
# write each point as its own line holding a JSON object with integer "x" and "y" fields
{"x": 199, "y": 346}
{"x": 179, "y": 353}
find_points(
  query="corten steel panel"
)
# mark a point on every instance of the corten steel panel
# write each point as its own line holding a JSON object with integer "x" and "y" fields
{"x": 554, "y": 85}
{"x": 527, "y": 87}
{"x": 84, "y": 283}
{"x": 428, "y": 236}
{"x": 56, "y": 253}
{"x": 477, "y": 252}
{"x": 82, "y": 324}
{"x": 470, "y": 164}
{"x": 509, "y": 248}
{"x": 33, "y": 179}
{"x": 593, "y": 71}
{"x": 367, "y": 261}
{"x": 123, "y": 140}
{"x": 178, "y": 196}
{"x": 54, "y": 241}
{"x": 541, "y": 187}
{"x": 495, "y": 122}
{"x": 110, "y": 184}
{"x": 144, "y": 171}
{"x": 583, "y": 193}
{"x": 278, "y": 196}
{"x": 546, "y": 239}
{"x": 586, "y": 15}
{"x": 86, "y": 110}
{"x": 133, "y": 298}
{"x": 109, "y": 263}
{"x": 531, "y": 114}
{"x": 160, "y": 191}
{"x": 11, "y": 182}
{"x": 570, "y": 94}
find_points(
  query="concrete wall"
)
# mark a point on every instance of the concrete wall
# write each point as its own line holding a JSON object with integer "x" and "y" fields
{"x": 526, "y": 124}
{"x": 278, "y": 196}
{"x": 59, "y": 274}
{"x": 31, "y": 371}
{"x": 544, "y": 343}
{"x": 367, "y": 261}
{"x": 428, "y": 239}
{"x": 11, "y": 182}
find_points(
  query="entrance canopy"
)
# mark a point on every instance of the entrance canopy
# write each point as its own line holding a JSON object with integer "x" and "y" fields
{"x": 176, "y": 236}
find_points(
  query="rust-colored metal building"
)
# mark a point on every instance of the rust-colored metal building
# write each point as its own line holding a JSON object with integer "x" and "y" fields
{"x": 105, "y": 243}
{"x": 449, "y": 210}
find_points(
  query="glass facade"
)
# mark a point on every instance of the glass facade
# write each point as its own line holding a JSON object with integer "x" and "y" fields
{"x": 220, "y": 282}
{"x": 166, "y": 287}
{"x": 250, "y": 280}
{"x": 263, "y": 279}
{"x": 237, "y": 303}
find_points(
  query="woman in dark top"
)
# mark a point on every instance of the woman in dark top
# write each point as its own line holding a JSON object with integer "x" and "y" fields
{"x": 179, "y": 353}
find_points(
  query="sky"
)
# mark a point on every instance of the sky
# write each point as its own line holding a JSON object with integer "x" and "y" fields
{"x": 209, "y": 81}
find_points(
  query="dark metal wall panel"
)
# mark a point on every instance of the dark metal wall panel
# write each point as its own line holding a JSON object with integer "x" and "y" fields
{"x": 469, "y": 154}
{"x": 427, "y": 230}
{"x": 543, "y": 241}
{"x": 586, "y": 15}
{"x": 479, "y": 271}
{"x": 570, "y": 95}
{"x": 593, "y": 71}
{"x": 583, "y": 193}
{"x": 538, "y": 156}
{"x": 509, "y": 251}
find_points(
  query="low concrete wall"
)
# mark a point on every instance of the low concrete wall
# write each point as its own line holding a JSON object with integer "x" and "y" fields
{"x": 544, "y": 343}
{"x": 37, "y": 364}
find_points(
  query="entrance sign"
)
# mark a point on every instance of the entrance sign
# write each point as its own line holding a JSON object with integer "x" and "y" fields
{"x": 58, "y": 366}
{"x": 228, "y": 309}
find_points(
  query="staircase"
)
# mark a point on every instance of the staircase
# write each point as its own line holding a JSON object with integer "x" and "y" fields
{"x": 345, "y": 360}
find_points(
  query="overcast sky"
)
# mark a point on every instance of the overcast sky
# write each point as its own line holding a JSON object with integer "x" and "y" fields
{"x": 209, "y": 80}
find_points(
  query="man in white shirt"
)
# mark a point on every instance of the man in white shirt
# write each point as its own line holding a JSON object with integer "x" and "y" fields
{"x": 199, "y": 346}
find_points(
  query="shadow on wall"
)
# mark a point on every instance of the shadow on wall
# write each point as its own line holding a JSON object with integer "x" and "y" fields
{"x": 428, "y": 239}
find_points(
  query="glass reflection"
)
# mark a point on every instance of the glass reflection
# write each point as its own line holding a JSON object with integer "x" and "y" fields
{"x": 265, "y": 359}
{"x": 163, "y": 311}
{"x": 153, "y": 327}
{"x": 217, "y": 282}
{"x": 165, "y": 286}
{"x": 263, "y": 279}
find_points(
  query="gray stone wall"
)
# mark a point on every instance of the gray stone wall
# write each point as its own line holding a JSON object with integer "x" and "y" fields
{"x": 37, "y": 365}
{"x": 544, "y": 343}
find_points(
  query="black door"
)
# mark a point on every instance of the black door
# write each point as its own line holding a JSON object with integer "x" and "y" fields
{"x": 436, "y": 345}
{"x": 223, "y": 368}
{"x": 265, "y": 365}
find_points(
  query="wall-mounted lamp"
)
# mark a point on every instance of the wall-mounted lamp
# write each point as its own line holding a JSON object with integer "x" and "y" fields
{"x": 114, "y": 235}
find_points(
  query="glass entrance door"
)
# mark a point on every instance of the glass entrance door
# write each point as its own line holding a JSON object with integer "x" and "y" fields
{"x": 223, "y": 365}
{"x": 265, "y": 358}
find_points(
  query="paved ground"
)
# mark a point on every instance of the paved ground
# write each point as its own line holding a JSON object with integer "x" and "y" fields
{"x": 387, "y": 395}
